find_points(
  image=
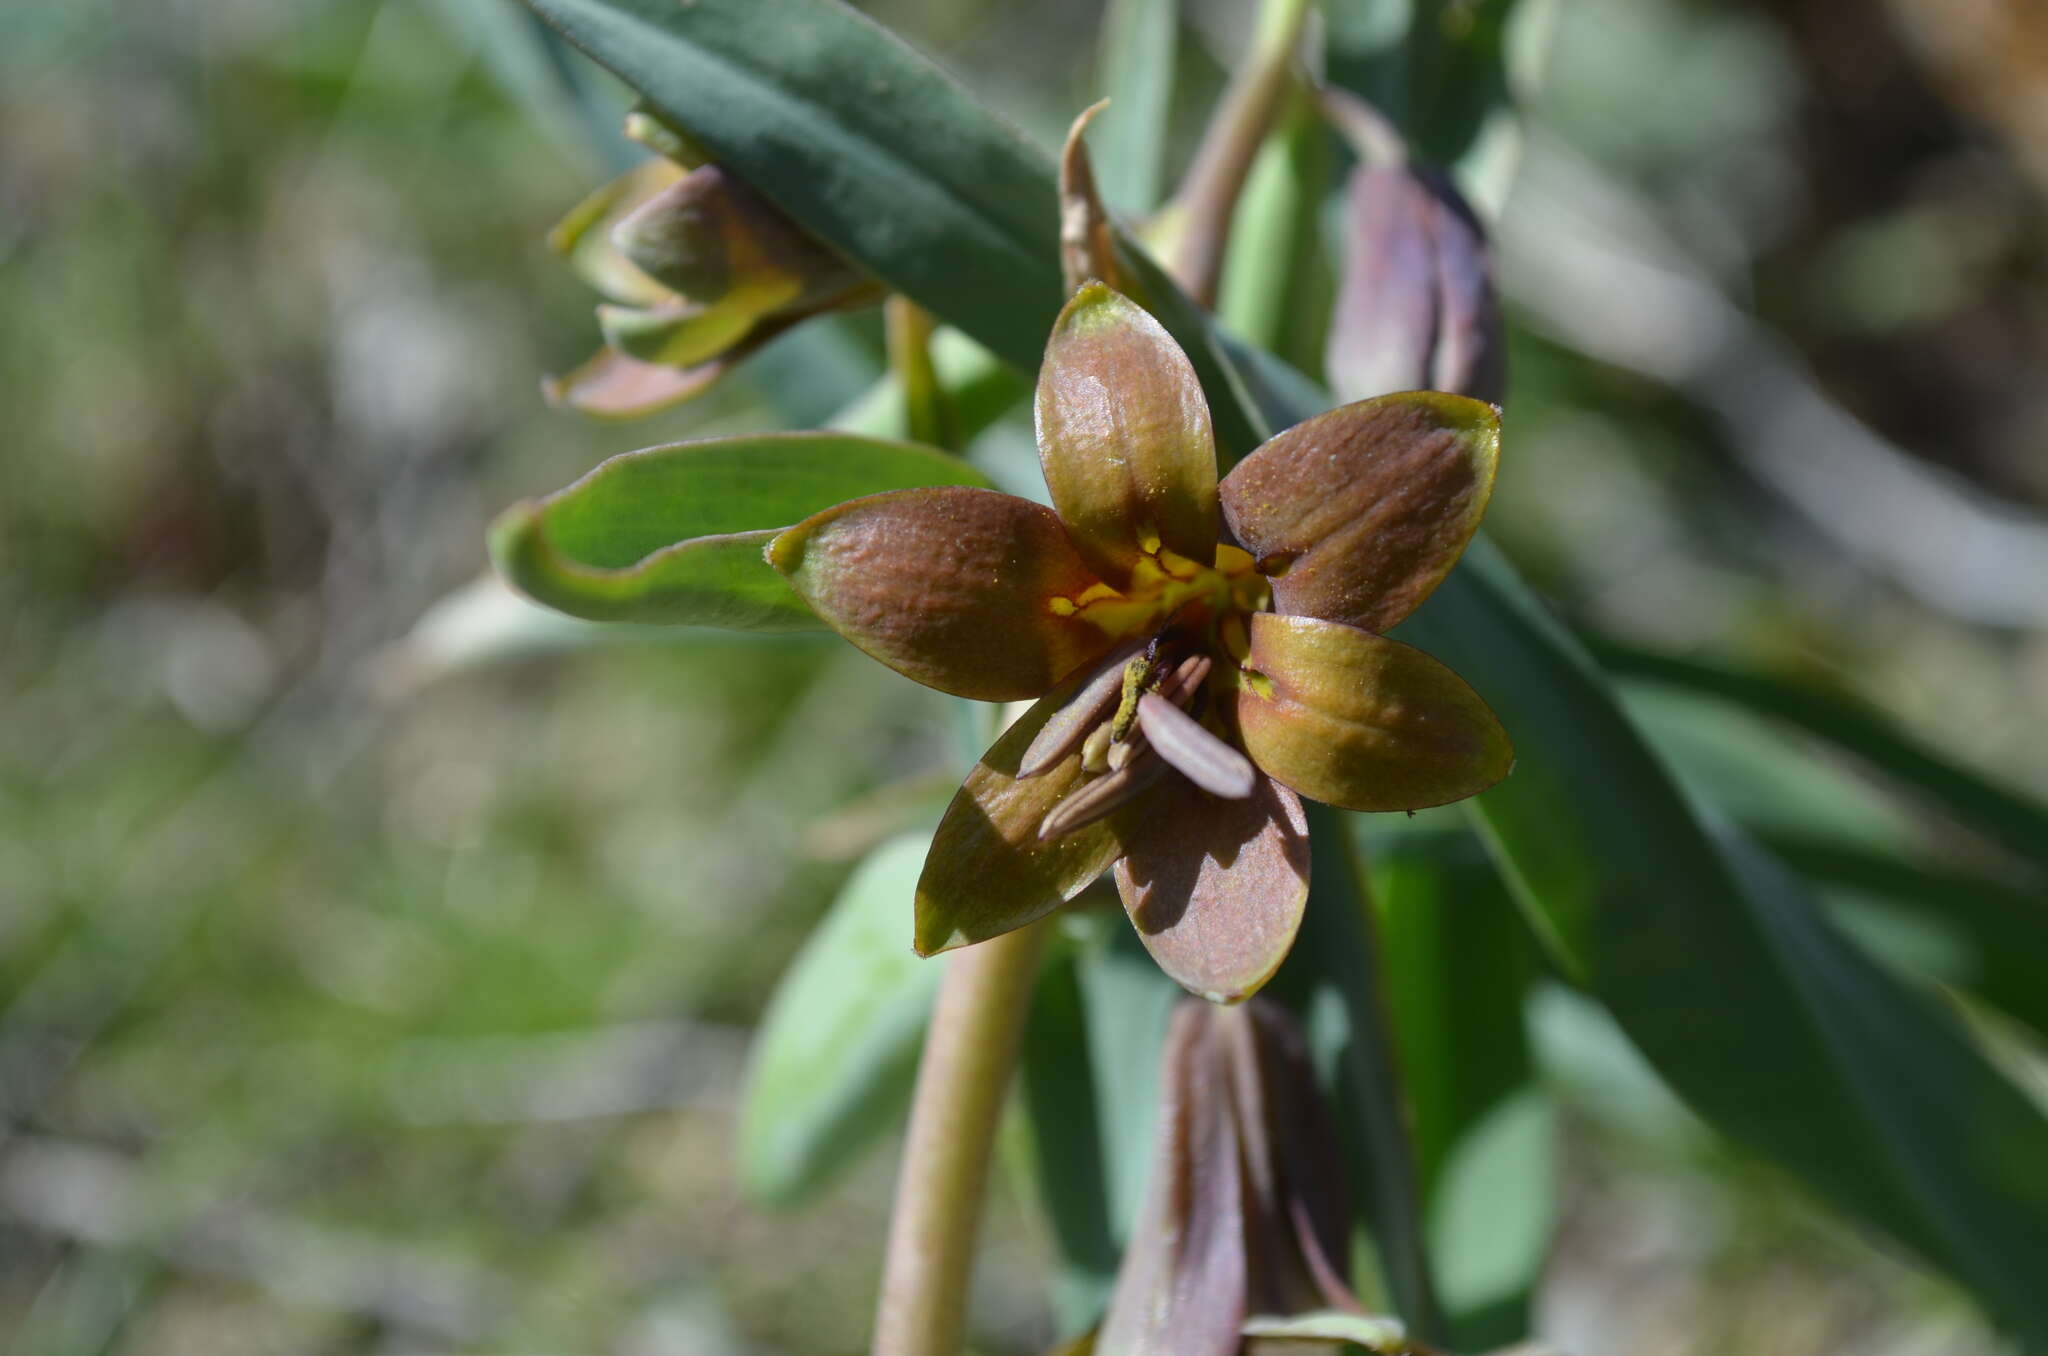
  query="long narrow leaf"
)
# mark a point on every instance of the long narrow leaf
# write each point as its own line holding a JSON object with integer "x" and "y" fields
{"x": 832, "y": 1064}
{"x": 1136, "y": 58}
{"x": 2011, "y": 819}
{"x": 1334, "y": 979}
{"x": 1720, "y": 968}
{"x": 1458, "y": 966}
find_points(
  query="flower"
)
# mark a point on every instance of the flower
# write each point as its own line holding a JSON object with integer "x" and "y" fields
{"x": 1203, "y": 655}
{"x": 1244, "y": 1232}
{"x": 1416, "y": 304}
{"x": 700, "y": 271}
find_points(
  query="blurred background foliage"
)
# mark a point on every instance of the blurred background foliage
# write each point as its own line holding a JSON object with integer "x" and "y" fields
{"x": 357, "y": 996}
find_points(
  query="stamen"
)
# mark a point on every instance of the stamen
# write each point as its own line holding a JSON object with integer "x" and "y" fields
{"x": 1137, "y": 674}
{"x": 1092, "y": 801}
{"x": 1069, "y": 725}
{"x": 1197, "y": 754}
{"x": 1098, "y": 754}
{"x": 1186, "y": 680}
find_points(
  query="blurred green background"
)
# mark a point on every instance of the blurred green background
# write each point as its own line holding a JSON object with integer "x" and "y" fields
{"x": 362, "y": 990}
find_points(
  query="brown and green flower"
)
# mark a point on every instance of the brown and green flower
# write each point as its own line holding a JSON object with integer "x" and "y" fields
{"x": 698, "y": 271}
{"x": 1202, "y": 655}
{"x": 1242, "y": 1244}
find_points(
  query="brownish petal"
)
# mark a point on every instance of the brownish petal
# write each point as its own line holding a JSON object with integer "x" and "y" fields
{"x": 1359, "y": 721}
{"x": 613, "y": 386}
{"x": 988, "y": 871}
{"x": 954, "y": 587}
{"x": 1124, "y": 436}
{"x": 1181, "y": 1288}
{"x": 1216, "y": 887}
{"x": 1296, "y": 1169}
{"x": 1359, "y": 513}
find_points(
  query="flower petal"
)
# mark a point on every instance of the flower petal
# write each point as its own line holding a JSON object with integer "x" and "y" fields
{"x": 1124, "y": 436}
{"x": 611, "y": 385}
{"x": 713, "y": 239}
{"x": 675, "y": 333}
{"x": 584, "y": 236}
{"x": 952, "y": 587}
{"x": 1216, "y": 887}
{"x": 1362, "y": 722}
{"x": 1358, "y": 514}
{"x": 988, "y": 871}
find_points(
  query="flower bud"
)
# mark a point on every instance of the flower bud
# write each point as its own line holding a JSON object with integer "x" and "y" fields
{"x": 698, "y": 270}
{"x": 1245, "y": 1220}
{"x": 1416, "y": 307}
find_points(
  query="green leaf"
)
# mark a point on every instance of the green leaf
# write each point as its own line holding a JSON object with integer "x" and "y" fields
{"x": 1136, "y": 61}
{"x": 675, "y": 534}
{"x": 2005, "y": 816}
{"x": 1746, "y": 767}
{"x": 1090, "y": 1080}
{"x": 836, "y": 1054}
{"x": 1458, "y": 965}
{"x": 2000, "y": 930}
{"x": 1333, "y": 979}
{"x": 1719, "y": 966}
{"x": 1057, "y": 1083}
{"x": 1277, "y": 277}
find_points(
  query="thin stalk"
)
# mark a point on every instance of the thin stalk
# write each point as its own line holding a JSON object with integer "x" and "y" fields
{"x": 1201, "y": 210}
{"x": 962, "y": 1079}
{"x": 926, "y": 409}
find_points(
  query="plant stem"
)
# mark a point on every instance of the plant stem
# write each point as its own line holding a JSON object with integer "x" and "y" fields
{"x": 961, "y": 1082}
{"x": 908, "y": 328}
{"x": 1207, "y": 197}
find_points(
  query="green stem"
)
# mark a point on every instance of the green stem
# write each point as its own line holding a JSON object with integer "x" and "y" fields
{"x": 926, "y": 410}
{"x": 1207, "y": 198}
{"x": 962, "y": 1079}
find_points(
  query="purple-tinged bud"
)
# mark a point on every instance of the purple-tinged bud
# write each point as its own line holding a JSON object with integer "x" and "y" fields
{"x": 1416, "y": 309}
{"x": 1244, "y": 1220}
{"x": 698, "y": 270}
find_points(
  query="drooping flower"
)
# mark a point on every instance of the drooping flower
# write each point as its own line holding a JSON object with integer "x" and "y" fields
{"x": 1242, "y": 1244}
{"x": 1415, "y": 305}
{"x": 1203, "y": 655}
{"x": 699, "y": 271}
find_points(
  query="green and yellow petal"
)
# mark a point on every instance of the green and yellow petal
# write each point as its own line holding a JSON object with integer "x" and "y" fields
{"x": 1124, "y": 436}
{"x": 1362, "y": 722}
{"x": 965, "y": 590}
{"x": 584, "y": 236}
{"x": 1356, "y": 515}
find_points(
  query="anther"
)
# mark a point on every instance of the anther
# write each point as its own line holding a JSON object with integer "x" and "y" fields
{"x": 1100, "y": 797}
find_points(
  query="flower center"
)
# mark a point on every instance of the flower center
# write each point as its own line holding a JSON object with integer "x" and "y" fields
{"x": 1147, "y": 710}
{"x": 1165, "y": 584}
